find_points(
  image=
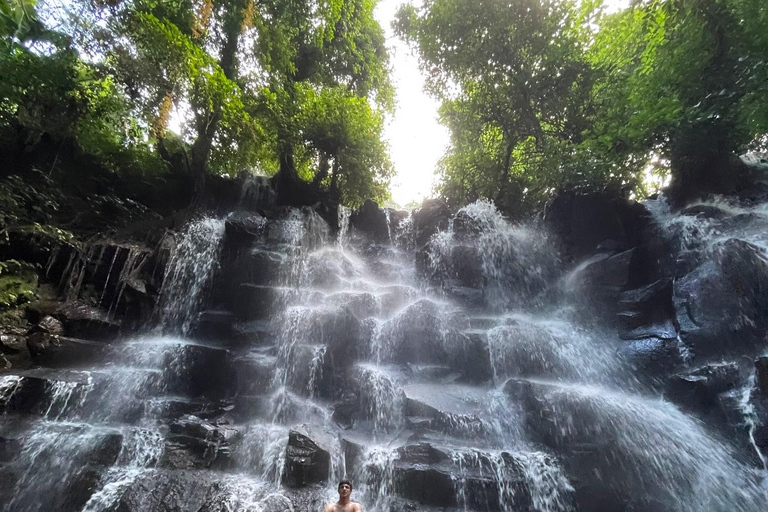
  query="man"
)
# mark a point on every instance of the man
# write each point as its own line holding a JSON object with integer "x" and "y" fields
{"x": 344, "y": 504}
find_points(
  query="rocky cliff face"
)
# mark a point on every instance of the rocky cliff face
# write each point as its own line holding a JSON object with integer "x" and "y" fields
{"x": 611, "y": 357}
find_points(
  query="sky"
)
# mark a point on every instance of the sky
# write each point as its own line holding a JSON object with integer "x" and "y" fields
{"x": 416, "y": 140}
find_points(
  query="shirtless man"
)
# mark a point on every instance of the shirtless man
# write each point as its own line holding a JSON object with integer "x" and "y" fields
{"x": 344, "y": 504}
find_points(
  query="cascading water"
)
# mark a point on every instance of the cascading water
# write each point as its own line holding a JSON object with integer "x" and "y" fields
{"x": 328, "y": 358}
{"x": 192, "y": 262}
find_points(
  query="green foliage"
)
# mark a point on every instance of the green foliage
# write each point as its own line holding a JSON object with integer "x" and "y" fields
{"x": 515, "y": 84}
{"x": 18, "y": 283}
{"x": 541, "y": 95}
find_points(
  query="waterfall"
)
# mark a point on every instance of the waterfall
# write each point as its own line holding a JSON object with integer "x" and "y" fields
{"x": 192, "y": 263}
{"x": 450, "y": 376}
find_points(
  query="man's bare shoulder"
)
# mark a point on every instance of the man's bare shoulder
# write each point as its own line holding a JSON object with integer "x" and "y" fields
{"x": 356, "y": 507}
{"x": 331, "y": 507}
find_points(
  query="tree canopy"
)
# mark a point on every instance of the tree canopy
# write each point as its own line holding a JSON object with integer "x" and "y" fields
{"x": 546, "y": 95}
{"x": 242, "y": 74}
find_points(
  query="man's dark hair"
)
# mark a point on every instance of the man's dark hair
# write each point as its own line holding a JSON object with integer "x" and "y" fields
{"x": 345, "y": 482}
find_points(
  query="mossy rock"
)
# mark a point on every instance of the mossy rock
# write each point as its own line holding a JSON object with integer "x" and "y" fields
{"x": 18, "y": 283}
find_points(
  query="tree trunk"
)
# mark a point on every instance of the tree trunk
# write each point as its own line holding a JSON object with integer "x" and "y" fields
{"x": 208, "y": 125}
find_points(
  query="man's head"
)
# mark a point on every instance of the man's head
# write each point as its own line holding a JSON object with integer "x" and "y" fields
{"x": 345, "y": 488}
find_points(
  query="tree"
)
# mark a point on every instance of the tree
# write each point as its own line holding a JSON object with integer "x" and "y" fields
{"x": 513, "y": 78}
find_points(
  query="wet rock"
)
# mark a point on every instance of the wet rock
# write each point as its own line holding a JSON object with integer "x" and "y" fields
{"x": 433, "y": 216}
{"x": 704, "y": 211}
{"x": 202, "y": 371}
{"x": 761, "y": 376}
{"x": 206, "y": 443}
{"x": 57, "y": 351}
{"x": 78, "y": 319}
{"x": 371, "y": 221}
{"x": 256, "y": 302}
{"x": 107, "y": 450}
{"x": 722, "y": 307}
{"x": 259, "y": 267}
{"x": 647, "y": 311}
{"x": 215, "y": 325}
{"x": 698, "y": 391}
{"x": 599, "y": 283}
{"x": 242, "y": 229}
{"x": 469, "y": 354}
{"x": 306, "y": 462}
{"x": 584, "y": 221}
{"x": 345, "y": 411}
{"x": 157, "y": 491}
{"x": 416, "y": 334}
{"x": 10, "y": 449}
{"x": 454, "y": 409}
{"x": 255, "y": 372}
{"x": 654, "y": 357}
{"x": 50, "y": 325}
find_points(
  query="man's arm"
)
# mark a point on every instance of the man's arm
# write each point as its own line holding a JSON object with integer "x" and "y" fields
{"x": 329, "y": 508}
{"x": 357, "y": 508}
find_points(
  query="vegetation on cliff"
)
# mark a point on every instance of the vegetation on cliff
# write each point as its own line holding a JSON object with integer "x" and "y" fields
{"x": 298, "y": 87}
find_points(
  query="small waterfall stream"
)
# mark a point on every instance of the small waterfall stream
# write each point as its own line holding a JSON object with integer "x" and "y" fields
{"x": 503, "y": 401}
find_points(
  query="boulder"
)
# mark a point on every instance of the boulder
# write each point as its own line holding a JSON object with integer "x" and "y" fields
{"x": 257, "y": 302}
{"x": 215, "y": 326}
{"x": 57, "y": 351}
{"x": 242, "y": 229}
{"x": 433, "y": 216}
{"x": 584, "y": 221}
{"x": 654, "y": 357}
{"x": 761, "y": 376}
{"x": 372, "y": 222}
{"x": 704, "y": 211}
{"x": 699, "y": 391}
{"x": 722, "y": 306}
{"x": 599, "y": 282}
{"x": 77, "y": 318}
{"x": 203, "y": 442}
{"x": 167, "y": 491}
{"x": 647, "y": 312}
{"x": 306, "y": 462}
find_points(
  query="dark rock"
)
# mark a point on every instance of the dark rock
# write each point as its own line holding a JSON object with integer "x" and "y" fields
{"x": 306, "y": 463}
{"x": 58, "y": 351}
{"x": 205, "y": 442}
{"x": 107, "y": 450}
{"x": 78, "y": 318}
{"x": 157, "y": 491}
{"x": 704, "y": 211}
{"x": 599, "y": 282}
{"x": 654, "y": 356}
{"x": 433, "y": 216}
{"x": 344, "y": 412}
{"x": 584, "y": 221}
{"x": 698, "y": 391}
{"x": 647, "y": 311}
{"x": 722, "y": 307}
{"x": 50, "y": 325}
{"x": 256, "y": 302}
{"x": 761, "y": 376}
{"x": 242, "y": 229}
{"x": 254, "y": 373}
{"x": 10, "y": 449}
{"x": 199, "y": 371}
{"x": 215, "y": 325}
{"x": 470, "y": 356}
{"x": 371, "y": 221}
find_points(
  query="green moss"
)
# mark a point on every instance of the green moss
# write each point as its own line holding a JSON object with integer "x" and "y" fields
{"x": 18, "y": 283}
